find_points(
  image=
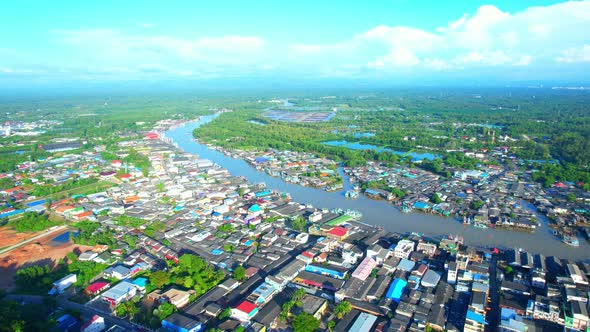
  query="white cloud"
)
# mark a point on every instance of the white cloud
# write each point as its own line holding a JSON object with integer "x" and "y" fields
{"x": 146, "y": 25}
{"x": 574, "y": 55}
{"x": 489, "y": 37}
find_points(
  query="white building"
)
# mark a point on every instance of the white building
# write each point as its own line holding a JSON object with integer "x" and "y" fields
{"x": 96, "y": 324}
{"x": 63, "y": 283}
{"x": 404, "y": 248}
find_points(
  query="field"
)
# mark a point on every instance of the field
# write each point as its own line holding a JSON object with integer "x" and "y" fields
{"x": 36, "y": 252}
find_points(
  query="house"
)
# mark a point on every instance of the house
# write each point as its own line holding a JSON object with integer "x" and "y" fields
{"x": 63, "y": 283}
{"x": 403, "y": 249}
{"x": 174, "y": 296}
{"x": 121, "y": 292}
{"x": 396, "y": 289}
{"x": 95, "y": 324}
{"x": 363, "y": 323}
{"x": 244, "y": 311}
{"x": 313, "y": 305}
{"x": 87, "y": 256}
{"x": 97, "y": 287}
{"x": 178, "y": 322}
{"x": 118, "y": 272}
{"x": 339, "y": 233}
{"x": 364, "y": 269}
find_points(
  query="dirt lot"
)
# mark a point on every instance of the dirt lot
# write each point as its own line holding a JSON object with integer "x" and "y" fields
{"x": 9, "y": 236}
{"x": 36, "y": 252}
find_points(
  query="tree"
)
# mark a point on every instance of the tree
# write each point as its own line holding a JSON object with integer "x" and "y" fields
{"x": 225, "y": 313}
{"x": 435, "y": 199}
{"x": 331, "y": 325}
{"x": 476, "y": 204}
{"x": 342, "y": 309}
{"x": 159, "y": 278}
{"x": 299, "y": 224}
{"x": 239, "y": 273}
{"x": 305, "y": 322}
{"x": 571, "y": 197}
{"x": 164, "y": 310}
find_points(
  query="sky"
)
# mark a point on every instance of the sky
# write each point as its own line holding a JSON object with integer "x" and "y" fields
{"x": 397, "y": 41}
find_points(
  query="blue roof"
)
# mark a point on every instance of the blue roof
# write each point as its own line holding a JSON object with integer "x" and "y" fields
{"x": 35, "y": 203}
{"x": 255, "y": 208}
{"x": 217, "y": 251}
{"x": 11, "y": 213}
{"x": 396, "y": 289}
{"x": 420, "y": 205}
{"x": 263, "y": 193}
{"x": 261, "y": 160}
{"x": 476, "y": 317}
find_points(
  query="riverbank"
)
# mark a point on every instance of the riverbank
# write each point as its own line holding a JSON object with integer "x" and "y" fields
{"x": 380, "y": 213}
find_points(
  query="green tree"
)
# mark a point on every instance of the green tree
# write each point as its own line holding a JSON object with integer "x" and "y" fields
{"x": 342, "y": 309}
{"x": 225, "y": 313}
{"x": 305, "y": 322}
{"x": 239, "y": 273}
{"x": 436, "y": 199}
{"x": 571, "y": 197}
{"x": 299, "y": 224}
{"x": 159, "y": 278}
{"x": 164, "y": 310}
{"x": 476, "y": 204}
{"x": 331, "y": 325}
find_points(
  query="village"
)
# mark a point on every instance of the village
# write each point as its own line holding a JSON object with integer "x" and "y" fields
{"x": 197, "y": 249}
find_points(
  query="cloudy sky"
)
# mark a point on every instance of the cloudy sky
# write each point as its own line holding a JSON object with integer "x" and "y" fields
{"x": 393, "y": 40}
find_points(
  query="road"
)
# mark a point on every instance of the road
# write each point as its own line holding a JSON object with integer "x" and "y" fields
{"x": 12, "y": 247}
{"x": 84, "y": 310}
{"x": 493, "y": 316}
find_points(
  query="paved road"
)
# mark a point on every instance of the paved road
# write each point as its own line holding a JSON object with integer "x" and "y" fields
{"x": 12, "y": 247}
{"x": 493, "y": 316}
{"x": 86, "y": 311}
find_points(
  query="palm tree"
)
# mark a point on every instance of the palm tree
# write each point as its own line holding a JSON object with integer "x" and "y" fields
{"x": 342, "y": 309}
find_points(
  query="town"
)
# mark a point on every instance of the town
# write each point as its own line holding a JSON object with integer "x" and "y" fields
{"x": 160, "y": 239}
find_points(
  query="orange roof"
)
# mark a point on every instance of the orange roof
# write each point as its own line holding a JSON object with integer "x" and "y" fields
{"x": 83, "y": 215}
{"x": 65, "y": 208}
{"x": 131, "y": 199}
{"x": 11, "y": 190}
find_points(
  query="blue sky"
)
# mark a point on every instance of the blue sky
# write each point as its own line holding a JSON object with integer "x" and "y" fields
{"x": 387, "y": 41}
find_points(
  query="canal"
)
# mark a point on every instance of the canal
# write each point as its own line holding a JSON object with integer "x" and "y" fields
{"x": 382, "y": 213}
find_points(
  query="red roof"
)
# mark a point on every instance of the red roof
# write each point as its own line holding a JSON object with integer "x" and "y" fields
{"x": 116, "y": 161}
{"x": 246, "y": 307}
{"x": 96, "y": 287}
{"x": 151, "y": 136}
{"x": 307, "y": 254}
{"x": 338, "y": 231}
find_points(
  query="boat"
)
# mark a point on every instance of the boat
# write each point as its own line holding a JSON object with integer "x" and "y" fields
{"x": 478, "y": 225}
{"x": 354, "y": 213}
{"x": 353, "y": 194}
{"x": 406, "y": 208}
{"x": 570, "y": 239}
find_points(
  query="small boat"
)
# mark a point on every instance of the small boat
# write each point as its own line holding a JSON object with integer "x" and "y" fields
{"x": 406, "y": 208}
{"x": 352, "y": 194}
{"x": 478, "y": 225}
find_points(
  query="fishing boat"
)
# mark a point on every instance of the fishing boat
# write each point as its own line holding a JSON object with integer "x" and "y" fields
{"x": 478, "y": 225}
{"x": 406, "y": 208}
{"x": 354, "y": 213}
{"x": 352, "y": 194}
{"x": 570, "y": 239}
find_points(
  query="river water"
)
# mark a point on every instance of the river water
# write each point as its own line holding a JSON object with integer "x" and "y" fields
{"x": 382, "y": 213}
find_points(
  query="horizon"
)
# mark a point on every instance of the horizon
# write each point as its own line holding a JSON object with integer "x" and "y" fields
{"x": 229, "y": 43}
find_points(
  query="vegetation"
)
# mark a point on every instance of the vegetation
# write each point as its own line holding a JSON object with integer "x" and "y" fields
{"x": 192, "y": 272}
{"x": 239, "y": 273}
{"x": 299, "y": 224}
{"x": 90, "y": 233}
{"x": 32, "y": 222}
{"x": 305, "y": 322}
{"x": 342, "y": 309}
{"x": 17, "y": 317}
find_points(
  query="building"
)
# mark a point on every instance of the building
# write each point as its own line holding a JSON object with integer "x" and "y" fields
{"x": 315, "y": 306}
{"x": 403, "y": 249}
{"x": 328, "y": 270}
{"x": 363, "y": 323}
{"x": 63, "y": 283}
{"x": 396, "y": 289}
{"x": 96, "y": 324}
{"x": 174, "y": 296}
{"x": 244, "y": 311}
{"x": 121, "y": 292}
{"x": 60, "y": 147}
{"x": 430, "y": 279}
{"x": 177, "y": 322}
{"x": 364, "y": 269}
{"x": 97, "y": 287}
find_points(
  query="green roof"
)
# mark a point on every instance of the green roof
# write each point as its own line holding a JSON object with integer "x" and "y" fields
{"x": 339, "y": 220}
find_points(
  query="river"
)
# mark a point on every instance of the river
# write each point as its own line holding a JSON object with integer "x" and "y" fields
{"x": 382, "y": 213}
